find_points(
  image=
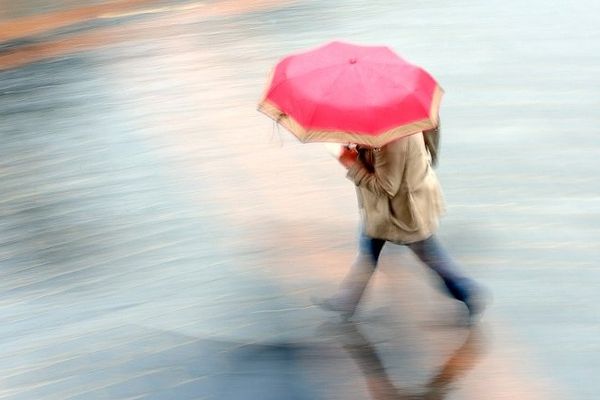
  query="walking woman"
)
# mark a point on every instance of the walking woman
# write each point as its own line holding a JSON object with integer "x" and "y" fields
{"x": 400, "y": 201}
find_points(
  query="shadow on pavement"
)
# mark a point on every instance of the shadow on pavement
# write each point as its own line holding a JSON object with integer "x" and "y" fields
{"x": 157, "y": 364}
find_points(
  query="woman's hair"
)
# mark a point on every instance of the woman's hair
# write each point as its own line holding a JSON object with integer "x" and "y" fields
{"x": 432, "y": 143}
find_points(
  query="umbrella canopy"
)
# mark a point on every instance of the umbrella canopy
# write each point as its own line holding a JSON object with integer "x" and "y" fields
{"x": 347, "y": 93}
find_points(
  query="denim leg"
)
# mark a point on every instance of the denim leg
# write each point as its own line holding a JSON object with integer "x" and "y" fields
{"x": 370, "y": 247}
{"x": 431, "y": 252}
{"x": 356, "y": 280}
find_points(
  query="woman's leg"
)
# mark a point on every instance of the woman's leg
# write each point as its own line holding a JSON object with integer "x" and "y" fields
{"x": 356, "y": 280}
{"x": 432, "y": 253}
{"x": 370, "y": 248}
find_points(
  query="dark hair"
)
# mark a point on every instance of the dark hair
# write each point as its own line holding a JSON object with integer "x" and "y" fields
{"x": 432, "y": 143}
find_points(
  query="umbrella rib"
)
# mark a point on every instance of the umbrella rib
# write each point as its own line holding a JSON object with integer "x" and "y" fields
{"x": 337, "y": 64}
{"x": 391, "y": 64}
{"x": 384, "y": 76}
{"x": 337, "y": 78}
{"x": 362, "y": 77}
{"x": 288, "y": 79}
{"x": 400, "y": 83}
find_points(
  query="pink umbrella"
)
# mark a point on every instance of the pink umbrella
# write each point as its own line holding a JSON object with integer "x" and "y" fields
{"x": 347, "y": 93}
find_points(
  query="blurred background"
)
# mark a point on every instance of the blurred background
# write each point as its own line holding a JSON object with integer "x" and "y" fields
{"x": 161, "y": 239}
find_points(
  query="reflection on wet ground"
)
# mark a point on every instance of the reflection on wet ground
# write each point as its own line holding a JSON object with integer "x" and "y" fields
{"x": 381, "y": 385}
{"x": 159, "y": 239}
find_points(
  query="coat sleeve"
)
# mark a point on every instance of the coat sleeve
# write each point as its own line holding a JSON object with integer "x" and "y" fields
{"x": 388, "y": 168}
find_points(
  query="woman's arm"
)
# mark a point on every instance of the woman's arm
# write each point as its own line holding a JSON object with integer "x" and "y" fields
{"x": 388, "y": 169}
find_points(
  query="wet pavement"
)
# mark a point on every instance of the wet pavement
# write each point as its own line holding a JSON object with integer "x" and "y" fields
{"x": 160, "y": 239}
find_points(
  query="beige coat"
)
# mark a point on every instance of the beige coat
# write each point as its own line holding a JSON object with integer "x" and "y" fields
{"x": 398, "y": 192}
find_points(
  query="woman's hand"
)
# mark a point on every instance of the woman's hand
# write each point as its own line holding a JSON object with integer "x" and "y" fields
{"x": 344, "y": 154}
{"x": 347, "y": 157}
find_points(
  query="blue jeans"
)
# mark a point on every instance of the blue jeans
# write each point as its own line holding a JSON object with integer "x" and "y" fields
{"x": 430, "y": 252}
